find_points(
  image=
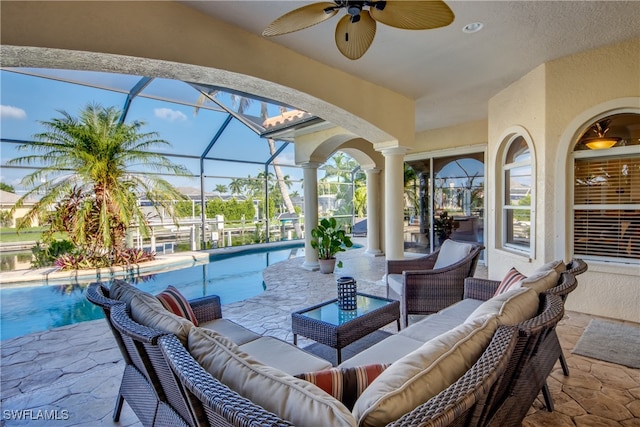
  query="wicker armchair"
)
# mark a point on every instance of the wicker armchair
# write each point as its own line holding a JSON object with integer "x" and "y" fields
{"x": 427, "y": 290}
{"x": 461, "y": 403}
{"x": 136, "y": 386}
{"x": 574, "y": 267}
{"x": 537, "y": 351}
{"x": 147, "y": 384}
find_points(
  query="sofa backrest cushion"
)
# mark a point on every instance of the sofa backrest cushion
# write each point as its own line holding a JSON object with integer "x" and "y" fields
{"x": 147, "y": 310}
{"x": 292, "y": 399}
{"x": 557, "y": 265}
{"x": 175, "y": 302}
{"x": 123, "y": 291}
{"x": 452, "y": 252}
{"x": 541, "y": 282}
{"x": 423, "y": 373}
{"x": 511, "y": 280}
{"x": 509, "y": 308}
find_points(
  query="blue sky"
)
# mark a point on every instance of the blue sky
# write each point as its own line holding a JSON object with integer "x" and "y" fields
{"x": 26, "y": 100}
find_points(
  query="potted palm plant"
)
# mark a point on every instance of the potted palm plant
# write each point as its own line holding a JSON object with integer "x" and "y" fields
{"x": 329, "y": 239}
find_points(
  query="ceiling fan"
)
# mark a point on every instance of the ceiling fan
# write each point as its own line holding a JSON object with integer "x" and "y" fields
{"x": 356, "y": 30}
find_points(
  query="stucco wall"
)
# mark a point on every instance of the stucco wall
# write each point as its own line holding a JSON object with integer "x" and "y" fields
{"x": 580, "y": 87}
{"x": 553, "y": 103}
{"x": 463, "y": 135}
{"x": 518, "y": 109}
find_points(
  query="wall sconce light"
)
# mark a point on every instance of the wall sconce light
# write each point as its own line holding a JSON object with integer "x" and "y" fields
{"x": 600, "y": 141}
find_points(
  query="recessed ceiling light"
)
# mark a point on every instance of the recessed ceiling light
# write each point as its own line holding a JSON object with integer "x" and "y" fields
{"x": 473, "y": 27}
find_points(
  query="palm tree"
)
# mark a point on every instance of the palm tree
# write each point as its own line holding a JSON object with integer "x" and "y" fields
{"x": 220, "y": 188}
{"x": 341, "y": 167}
{"x": 236, "y": 185}
{"x": 89, "y": 160}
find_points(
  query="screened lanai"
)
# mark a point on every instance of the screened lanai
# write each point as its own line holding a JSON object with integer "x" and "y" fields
{"x": 243, "y": 185}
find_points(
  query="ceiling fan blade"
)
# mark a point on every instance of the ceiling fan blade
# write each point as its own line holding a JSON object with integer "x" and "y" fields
{"x": 301, "y": 18}
{"x": 353, "y": 39}
{"x": 414, "y": 15}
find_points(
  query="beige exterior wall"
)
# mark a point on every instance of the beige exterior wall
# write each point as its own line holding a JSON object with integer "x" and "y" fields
{"x": 463, "y": 135}
{"x": 579, "y": 89}
{"x": 554, "y": 103}
{"x": 518, "y": 109}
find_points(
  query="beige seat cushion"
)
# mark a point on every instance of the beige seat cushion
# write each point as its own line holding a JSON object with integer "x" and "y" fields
{"x": 541, "y": 282}
{"x": 388, "y": 350}
{"x": 236, "y": 333}
{"x": 452, "y": 252}
{"x": 147, "y": 310}
{"x": 293, "y": 399}
{"x": 284, "y": 356}
{"x": 396, "y": 283}
{"x": 461, "y": 310}
{"x": 423, "y": 373}
{"x": 511, "y": 307}
{"x": 431, "y": 326}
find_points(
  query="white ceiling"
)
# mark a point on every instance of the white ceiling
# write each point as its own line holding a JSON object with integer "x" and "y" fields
{"x": 451, "y": 74}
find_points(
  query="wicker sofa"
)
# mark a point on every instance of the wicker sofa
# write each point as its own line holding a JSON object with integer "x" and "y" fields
{"x": 166, "y": 385}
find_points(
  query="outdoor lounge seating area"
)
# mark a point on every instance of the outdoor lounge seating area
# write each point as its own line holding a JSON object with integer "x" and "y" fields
{"x": 489, "y": 354}
{"x": 265, "y": 312}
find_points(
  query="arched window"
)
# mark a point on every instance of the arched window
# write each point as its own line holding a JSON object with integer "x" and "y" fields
{"x": 517, "y": 196}
{"x": 606, "y": 190}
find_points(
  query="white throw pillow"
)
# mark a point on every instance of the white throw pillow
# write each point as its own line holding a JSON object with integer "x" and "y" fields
{"x": 452, "y": 252}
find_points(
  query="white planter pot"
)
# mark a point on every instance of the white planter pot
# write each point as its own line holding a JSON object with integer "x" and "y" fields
{"x": 327, "y": 265}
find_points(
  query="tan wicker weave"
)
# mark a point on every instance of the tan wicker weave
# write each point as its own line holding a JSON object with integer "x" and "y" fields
{"x": 427, "y": 290}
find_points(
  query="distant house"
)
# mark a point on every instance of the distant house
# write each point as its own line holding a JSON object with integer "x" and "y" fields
{"x": 8, "y": 201}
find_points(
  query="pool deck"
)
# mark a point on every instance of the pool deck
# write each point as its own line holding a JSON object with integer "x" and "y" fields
{"x": 73, "y": 373}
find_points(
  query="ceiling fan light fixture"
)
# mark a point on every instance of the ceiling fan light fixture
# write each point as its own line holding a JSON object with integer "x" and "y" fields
{"x": 355, "y": 31}
{"x": 474, "y": 27}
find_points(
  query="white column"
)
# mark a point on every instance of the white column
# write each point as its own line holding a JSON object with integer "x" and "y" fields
{"x": 394, "y": 202}
{"x": 373, "y": 212}
{"x": 310, "y": 187}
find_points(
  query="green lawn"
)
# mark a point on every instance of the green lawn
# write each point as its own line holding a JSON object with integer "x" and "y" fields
{"x": 31, "y": 234}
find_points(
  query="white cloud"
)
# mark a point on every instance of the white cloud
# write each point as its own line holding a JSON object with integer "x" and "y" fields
{"x": 169, "y": 115}
{"x": 10, "y": 112}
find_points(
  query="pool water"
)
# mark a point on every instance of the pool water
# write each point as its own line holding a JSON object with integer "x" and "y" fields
{"x": 232, "y": 277}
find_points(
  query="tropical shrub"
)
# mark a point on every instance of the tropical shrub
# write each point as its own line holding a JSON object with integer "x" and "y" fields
{"x": 45, "y": 254}
{"x": 86, "y": 171}
{"x": 124, "y": 257}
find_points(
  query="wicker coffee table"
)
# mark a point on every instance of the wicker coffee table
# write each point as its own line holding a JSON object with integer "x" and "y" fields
{"x": 328, "y": 325}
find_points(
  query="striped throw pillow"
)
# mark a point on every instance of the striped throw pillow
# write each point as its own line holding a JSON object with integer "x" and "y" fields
{"x": 175, "y": 302}
{"x": 345, "y": 384}
{"x": 510, "y": 281}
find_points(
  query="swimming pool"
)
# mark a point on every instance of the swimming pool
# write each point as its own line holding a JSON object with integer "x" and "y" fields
{"x": 233, "y": 277}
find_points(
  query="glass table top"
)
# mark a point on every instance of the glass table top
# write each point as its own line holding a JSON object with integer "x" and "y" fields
{"x": 330, "y": 313}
